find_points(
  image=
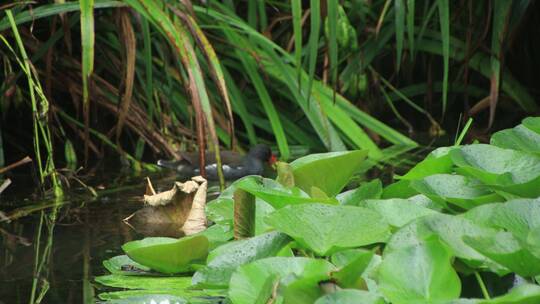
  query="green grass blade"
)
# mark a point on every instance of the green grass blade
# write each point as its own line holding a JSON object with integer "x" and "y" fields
{"x": 214, "y": 66}
{"x": 296, "y": 7}
{"x": 252, "y": 13}
{"x": 47, "y": 10}
{"x": 239, "y": 106}
{"x": 463, "y": 132}
{"x": 263, "y": 18}
{"x": 315, "y": 22}
{"x": 87, "y": 46}
{"x": 480, "y": 62}
{"x": 444, "y": 16}
{"x": 332, "y": 20}
{"x": 501, "y": 10}
{"x": 149, "y": 82}
{"x": 410, "y": 26}
{"x": 399, "y": 8}
{"x": 251, "y": 68}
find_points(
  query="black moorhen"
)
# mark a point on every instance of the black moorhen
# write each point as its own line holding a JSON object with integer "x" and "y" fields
{"x": 234, "y": 165}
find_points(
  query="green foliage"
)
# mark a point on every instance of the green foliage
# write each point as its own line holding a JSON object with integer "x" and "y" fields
{"x": 162, "y": 254}
{"x": 335, "y": 255}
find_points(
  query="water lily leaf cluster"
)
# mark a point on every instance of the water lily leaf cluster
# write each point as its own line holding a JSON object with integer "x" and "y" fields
{"x": 452, "y": 230}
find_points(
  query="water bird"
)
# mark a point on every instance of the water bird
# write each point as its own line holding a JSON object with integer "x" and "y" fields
{"x": 234, "y": 164}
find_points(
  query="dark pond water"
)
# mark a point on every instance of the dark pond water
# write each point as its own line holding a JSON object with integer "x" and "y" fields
{"x": 71, "y": 248}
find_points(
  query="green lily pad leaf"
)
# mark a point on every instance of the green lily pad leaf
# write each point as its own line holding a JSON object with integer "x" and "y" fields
{"x": 172, "y": 289}
{"x": 512, "y": 171}
{"x": 456, "y": 189}
{"x": 224, "y": 260}
{"x": 369, "y": 190}
{"x": 518, "y": 216}
{"x": 168, "y": 255}
{"x": 304, "y": 290}
{"x": 398, "y": 212}
{"x": 532, "y": 123}
{"x": 144, "y": 282}
{"x": 325, "y": 228}
{"x": 450, "y": 230}
{"x": 437, "y": 162}
{"x": 277, "y": 195}
{"x": 417, "y": 273}
{"x": 482, "y": 215}
{"x": 344, "y": 257}
{"x": 149, "y": 298}
{"x": 523, "y": 294}
{"x": 351, "y": 296}
{"x": 123, "y": 265}
{"x": 350, "y": 272}
{"x": 221, "y": 211}
{"x": 518, "y": 138}
{"x": 255, "y": 282}
{"x": 399, "y": 189}
{"x": 508, "y": 251}
{"x": 329, "y": 172}
{"x": 217, "y": 234}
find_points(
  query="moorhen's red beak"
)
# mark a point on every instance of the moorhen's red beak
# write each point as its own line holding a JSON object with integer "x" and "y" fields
{"x": 272, "y": 160}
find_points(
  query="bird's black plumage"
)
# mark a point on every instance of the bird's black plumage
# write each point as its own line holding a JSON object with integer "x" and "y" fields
{"x": 234, "y": 165}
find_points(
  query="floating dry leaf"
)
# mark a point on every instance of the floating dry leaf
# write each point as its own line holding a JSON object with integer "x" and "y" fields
{"x": 174, "y": 212}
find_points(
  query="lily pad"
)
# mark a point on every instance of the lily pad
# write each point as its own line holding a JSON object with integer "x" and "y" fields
{"x": 512, "y": 171}
{"x": 398, "y": 212}
{"x": 418, "y": 273}
{"x": 148, "y": 298}
{"x": 523, "y": 294}
{"x": 351, "y": 296}
{"x": 518, "y": 216}
{"x": 437, "y": 162}
{"x": 222, "y": 210}
{"x": 450, "y": 230}
{"x": 276, "y": 194}
{"x": 349, "y": 274}
{"x": 459, "y": 190}
{"x": 399, "y": 189}
{"x": 369, "y": 190}
{"x": 168, "y": 255}
{"x": 146, "y": 283}
{"x": 518, "y": 138}
{"x": 508, "y": 251}
{"x": 224, "y": 260}
{"x": 326, "y": 229}
{"x": 532, "y": 123}
{"x": 255, "y": 282}
{"x": 329, "y": 172}
{"x": 123, "y": 265}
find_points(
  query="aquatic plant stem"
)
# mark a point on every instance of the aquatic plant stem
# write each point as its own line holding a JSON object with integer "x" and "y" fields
{"x": 40, "y": 124}
{"x": 482, "y": 285}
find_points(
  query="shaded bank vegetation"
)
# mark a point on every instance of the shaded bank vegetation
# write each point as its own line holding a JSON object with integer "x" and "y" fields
{"x": 143, "y": 79}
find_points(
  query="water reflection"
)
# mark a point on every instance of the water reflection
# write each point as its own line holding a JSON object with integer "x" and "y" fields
{"x": 51, "y": 250}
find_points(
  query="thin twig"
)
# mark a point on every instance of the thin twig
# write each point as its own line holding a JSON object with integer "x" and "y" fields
{"x": 21, "y": 162}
